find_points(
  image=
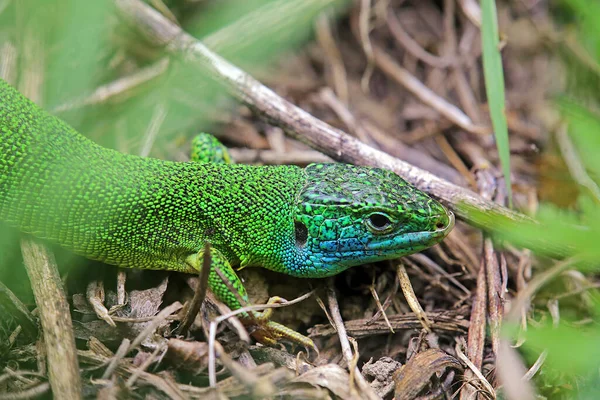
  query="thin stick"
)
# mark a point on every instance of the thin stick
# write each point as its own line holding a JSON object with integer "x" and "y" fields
{"x": 199, "y": 293}
{"x": 349, "y": 356}
{"x": 50, "y": 298}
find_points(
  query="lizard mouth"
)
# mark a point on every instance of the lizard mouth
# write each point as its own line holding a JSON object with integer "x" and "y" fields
{"x": 389, "y": 246}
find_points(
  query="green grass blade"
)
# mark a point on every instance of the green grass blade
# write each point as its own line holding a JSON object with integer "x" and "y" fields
{"x": 494, "y": 86}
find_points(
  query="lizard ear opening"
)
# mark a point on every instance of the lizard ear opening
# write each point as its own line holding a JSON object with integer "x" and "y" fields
{"x": 301, "y": 233}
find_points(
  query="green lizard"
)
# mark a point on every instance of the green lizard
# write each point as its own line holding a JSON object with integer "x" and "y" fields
{"x": 139, "y": 212}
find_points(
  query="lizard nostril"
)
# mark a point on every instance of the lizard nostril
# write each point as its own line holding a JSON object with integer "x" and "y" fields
{"x": 440, "y": 225}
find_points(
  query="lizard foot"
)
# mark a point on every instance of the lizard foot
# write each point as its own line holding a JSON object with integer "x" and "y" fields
{"x": 270, "y": 332}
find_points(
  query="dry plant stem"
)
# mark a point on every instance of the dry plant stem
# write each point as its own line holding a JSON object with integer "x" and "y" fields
{"x": 336, "y": 316}
{"x": 164, "y": 10}
{"x": 454, "y": 159}
{"x": 485, "y": 305}
{"x": 144, "y": 319}
{"x": 131, "y": 381}
{"x": 258, "y": 387}
{"x": 446, "y": 321}
{"x": 495, "y": 294}
{"x": 31, "y": 393}
{"x": 99, "y": 359}
{"x": 121, "y": 293}
{"x": 412, "y": 46}
{"x": 476, "y": 336}
{"x": 489, "y": 189}
{"x": 94, "y": 294}
{"x": 389, "y": 300}
{"x": 472, "y": 11}
{"x": 329, "y": 319}
{"x": 344, "y": 114}
{"x": 231, "y": 387}
{"x": 212, "y": 356}
{"x": 463, "y": 51}
{"x": 484, "y": 382}
{"x": 426, "y": 261}
{"x": 432, "y": 277}
{"x": 14, "y": 335}
{"x": 8, "y": 62}
{"x": 380, "y": 309}
{"x": 472, "y": 262}
{"x": 364, "y": 27}
{"x": 156, "y": 322}
{"x": 510, "y": 372}
{"x": 199, "y": 294}
{"x": 158, "y": 117}
{"x": 536, "y": 366}
{"x": 41, "y": 354}
{"x": 63, "y": 368}
{"x": 352, "y": 365}
{"x": 390, "y": 67}
{"x": 114, "y": 361}
{"x": 411, "y": 297}
{"x": 17, "y": 376}
{"x": 427, "y": 129}
{"x": 20, "y": 376}
{"x": 333, "y": 56}
{"x": 465, "y": 93}
{"x": 523, "y": 273}
{"x": 295, "y": 121}
{"x": 450, "y": 35}
{"x": 552, "y": 306}
{"x": 12, "y": 306}
{"x": 262, "y": 307}
{"x": 118, "y": 87}
{"x": 411, "y": 155}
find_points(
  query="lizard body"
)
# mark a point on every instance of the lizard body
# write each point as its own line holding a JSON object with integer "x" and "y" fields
{"x": 139, "y": 212}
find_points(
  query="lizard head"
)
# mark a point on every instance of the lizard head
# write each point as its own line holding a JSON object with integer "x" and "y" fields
{"x": 348, "y": 215}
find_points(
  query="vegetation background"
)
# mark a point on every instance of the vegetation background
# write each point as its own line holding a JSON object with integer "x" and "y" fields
{"x": 82, "y": 63}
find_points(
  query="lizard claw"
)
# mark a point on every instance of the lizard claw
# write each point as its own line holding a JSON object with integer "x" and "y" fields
{"x": 270, "y": 333}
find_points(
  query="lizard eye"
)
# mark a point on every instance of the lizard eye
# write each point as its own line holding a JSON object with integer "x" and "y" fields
{"x": 301, "y": 233}
{"x": 378, "y": 223}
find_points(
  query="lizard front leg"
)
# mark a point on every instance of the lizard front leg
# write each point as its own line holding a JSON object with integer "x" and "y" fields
{"x": 227, "y": 286}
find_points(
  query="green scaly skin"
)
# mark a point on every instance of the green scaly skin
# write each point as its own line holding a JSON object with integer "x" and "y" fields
{"x": 139, "y": 212}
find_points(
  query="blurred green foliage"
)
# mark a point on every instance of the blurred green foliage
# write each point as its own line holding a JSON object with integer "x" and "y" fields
{"x": 572, "y": 367}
